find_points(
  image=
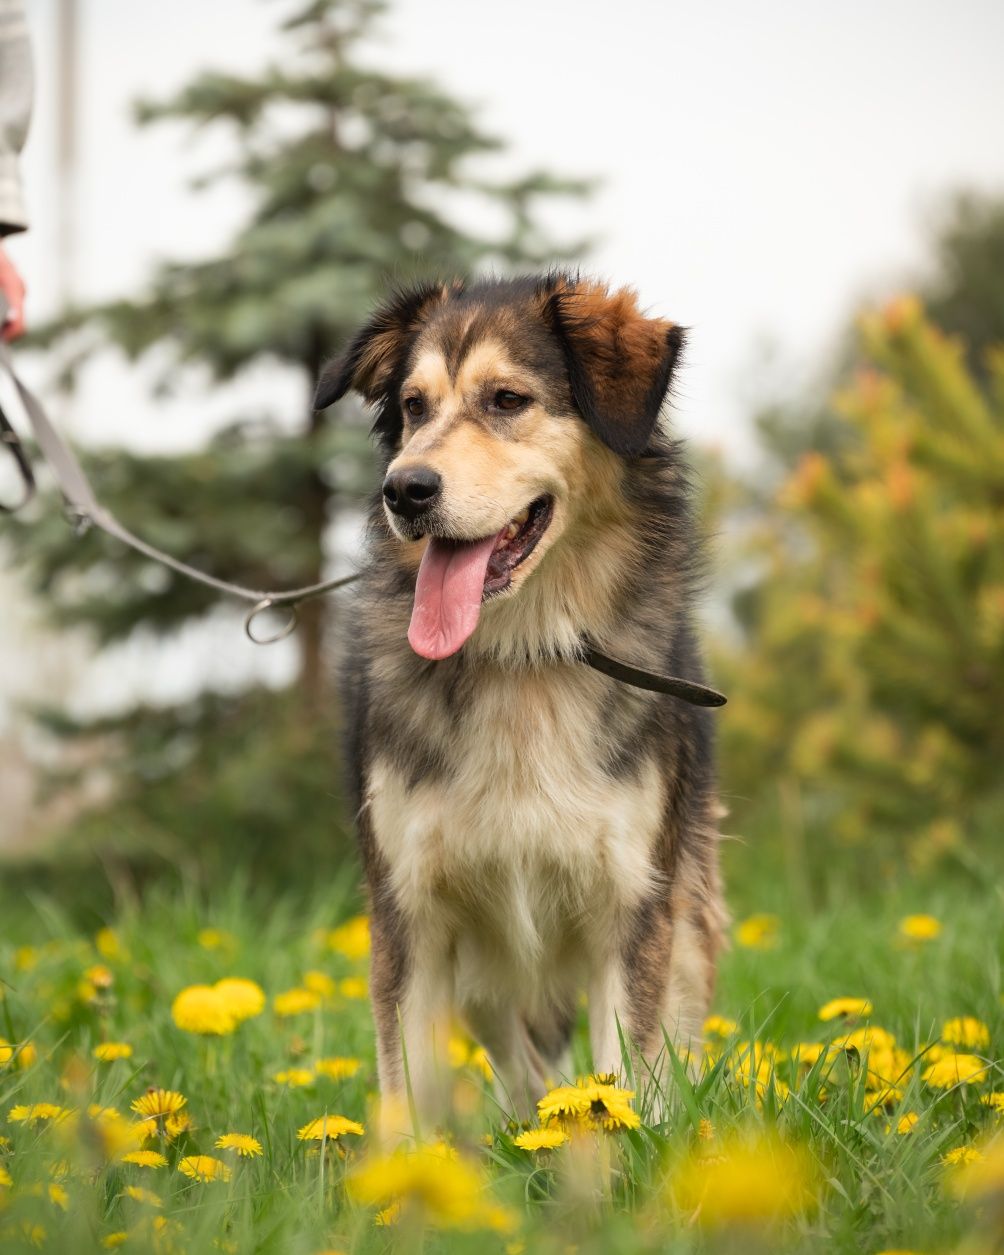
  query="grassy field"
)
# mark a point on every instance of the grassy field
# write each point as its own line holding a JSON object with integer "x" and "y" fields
{"x": 799, "y": 1133}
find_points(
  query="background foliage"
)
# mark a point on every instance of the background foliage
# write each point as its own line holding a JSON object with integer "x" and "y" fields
{"x": 353, "y": 178}
{"x": 862, "y": 556}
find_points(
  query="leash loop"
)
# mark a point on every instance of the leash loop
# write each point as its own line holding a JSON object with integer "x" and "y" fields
{"x": 269, "y": 603}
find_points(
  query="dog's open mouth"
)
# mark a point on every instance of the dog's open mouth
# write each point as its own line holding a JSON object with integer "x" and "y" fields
{"x": 456, "y": 576}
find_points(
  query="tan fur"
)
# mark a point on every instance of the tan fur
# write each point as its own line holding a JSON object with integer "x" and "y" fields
{"x": 532, "y": 869}
{"x": 490, "y": 477}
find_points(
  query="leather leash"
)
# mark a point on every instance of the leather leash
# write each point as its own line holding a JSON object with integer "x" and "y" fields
{"x": 85, "y": 510}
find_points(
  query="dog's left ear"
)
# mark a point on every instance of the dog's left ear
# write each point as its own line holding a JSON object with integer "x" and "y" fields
{"x": 369, "y": 363}
{"x": 620, "y": 363}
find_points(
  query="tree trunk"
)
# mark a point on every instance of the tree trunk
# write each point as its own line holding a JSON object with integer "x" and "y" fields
{"x": 314, "y": 682}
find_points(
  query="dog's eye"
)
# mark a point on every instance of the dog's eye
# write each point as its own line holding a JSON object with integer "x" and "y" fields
{"x": 415, "y": 406}
{"x": 506, "y": 400}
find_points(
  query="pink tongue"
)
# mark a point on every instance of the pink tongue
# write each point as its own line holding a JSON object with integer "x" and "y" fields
{"x": 448, "y": 592}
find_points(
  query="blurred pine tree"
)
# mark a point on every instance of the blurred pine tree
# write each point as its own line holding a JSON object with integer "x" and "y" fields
{"x": 871, "y": 677}
{"x": 353, "y": 177}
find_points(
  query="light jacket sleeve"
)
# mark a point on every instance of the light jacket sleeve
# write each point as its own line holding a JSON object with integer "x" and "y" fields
{"x": 16, "y": 90}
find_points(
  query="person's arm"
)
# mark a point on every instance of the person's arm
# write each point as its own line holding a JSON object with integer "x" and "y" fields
{"x": 16, "y": 89}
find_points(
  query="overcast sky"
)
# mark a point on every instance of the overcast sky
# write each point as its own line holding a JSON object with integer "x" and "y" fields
{"x": 764, "y": 166}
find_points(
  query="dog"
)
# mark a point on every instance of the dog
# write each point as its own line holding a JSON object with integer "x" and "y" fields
{"x": 530, "y": 829}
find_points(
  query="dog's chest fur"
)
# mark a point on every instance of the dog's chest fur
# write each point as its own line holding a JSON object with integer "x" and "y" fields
{"x": 527, "y": 844}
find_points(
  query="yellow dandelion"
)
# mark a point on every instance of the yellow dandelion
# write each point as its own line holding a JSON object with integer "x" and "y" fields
{"x": 807, "y": 1053}
{"x": 204, "y": 1010}
{"x": 745, "y": 1182}
{"x": 294, "y": 1077}
{"x": 320, "y": 983}
{"x": 118, "y": 1135}
{"x": 330, "y": 1128}
{"x": 759, "y": 932}
{"x": 955, "y": 1069}
{"x": 352, "y": 939}
{"x": 564, "y": 1102}
{"x": 869, "y": 1039}
{"x": 463, "y": 1053}
{"x": 540, "y": 1139}
{"x": 109, "y": 1051}
{"x": 23, "y": 1053}
{"x": 962, "y": 1155}
{"x": 103, "y": 1115}
{"x": 753, "y": 1066}
{"x": 145, "y": 1158}
{"x": 907, "y": 1122}
{"x": 27, "y": 1056}
{"x": 719, "y": 1026}
{"x": 108, "y": 944}
{"x": 592, "y": 1104}
{"x": 139, "y": 1195}
{"x": 157, "y": 1103}
{"x": 34, "y": 1113}
{"x": 919, "y": 928}
{"x": 994, "y": 1100}
{"x": 354, "y": 987}
{"x": 112, "y": 1241}
{"x": 388, "y": 1216}
{"x": 296, "y": 1002}
{"x": 982, "y": 1177}
{"x": 58, "y": 1196}
{"x": 480, "y": 1062}
{"x": 244, "y": 1144}
{"x": 706, "y": 1131}
{"x": 965, "y": 1030}
{"x": 244, "y": 999}
{"x": 165, "y": 1233}
{"x": 446, "y": 1190}
{"x": 204, "y": 1168}
{"x": 215, "y": 939}
{"x": 174, "y": 1126}
{"x": 338, "y": 1068}
{"x": 5, "y": 1177}
{"x": 858, "y": 1007}
{"x": 100, "y": 976}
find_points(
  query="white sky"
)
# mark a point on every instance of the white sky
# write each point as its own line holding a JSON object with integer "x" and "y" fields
{"x": 764, "y": 165}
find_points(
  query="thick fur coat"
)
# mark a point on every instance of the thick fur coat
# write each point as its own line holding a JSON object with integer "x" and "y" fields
{"x": 531, "y": 830}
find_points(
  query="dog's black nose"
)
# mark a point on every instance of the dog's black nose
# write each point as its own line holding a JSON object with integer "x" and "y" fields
{"x": 412, "y": 490}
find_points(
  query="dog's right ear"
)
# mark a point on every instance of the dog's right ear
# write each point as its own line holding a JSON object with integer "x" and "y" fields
{"x": 377, "y": 350}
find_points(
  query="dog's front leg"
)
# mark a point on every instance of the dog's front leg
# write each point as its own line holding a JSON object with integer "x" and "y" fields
{"x": 607, "y": 1015}
{"x": 654, "y": 987}
{"x": 412, "y": 991}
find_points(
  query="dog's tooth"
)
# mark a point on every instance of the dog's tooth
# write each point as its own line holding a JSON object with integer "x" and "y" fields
{"x": 522, "y": 517}
{"x": 512, "y": 531}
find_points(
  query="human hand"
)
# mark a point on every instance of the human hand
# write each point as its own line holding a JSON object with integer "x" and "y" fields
{"x": 12, "y": 287}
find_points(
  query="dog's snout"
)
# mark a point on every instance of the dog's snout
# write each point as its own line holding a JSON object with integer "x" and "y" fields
{"x": 412, "y": 490}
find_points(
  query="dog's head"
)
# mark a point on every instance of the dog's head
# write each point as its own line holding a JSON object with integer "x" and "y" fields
{"x": 507, "y": 409}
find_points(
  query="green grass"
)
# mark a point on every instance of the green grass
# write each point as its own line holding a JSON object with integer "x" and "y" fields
{"x": 873, "y": 1189}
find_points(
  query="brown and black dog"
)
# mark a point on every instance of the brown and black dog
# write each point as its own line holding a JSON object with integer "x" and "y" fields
{"x": 530, "y": 828}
